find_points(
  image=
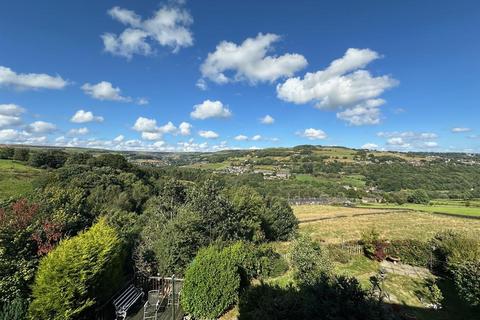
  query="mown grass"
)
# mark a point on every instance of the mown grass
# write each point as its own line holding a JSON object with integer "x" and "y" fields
{"x": 454, "y": 209}
{"x": 16, "y": 178}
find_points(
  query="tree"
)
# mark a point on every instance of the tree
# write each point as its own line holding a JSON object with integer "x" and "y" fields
{"x": 212, "y": 283}
{"x": 279, "y": 222}
{"x": 21, "y": 154}
{"x": 48, "y": 159}
{"x": 6, "y": 153}
{"x": 419, "y": 197}
{"x": 115, "y": 161}
{"x": 310, "y": 260}
{"x": 77, "y": 274}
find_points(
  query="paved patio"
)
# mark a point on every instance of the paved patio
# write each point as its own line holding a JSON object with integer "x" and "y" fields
{"x": 405, "y": 269}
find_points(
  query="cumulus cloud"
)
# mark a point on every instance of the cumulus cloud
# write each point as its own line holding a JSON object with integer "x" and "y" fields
{"x": 21, "y": 137}
{"x": 10, "y": 115}
{"x": 370, "y": 146}
{"x": 313, "y": 134}
{"x": 104, "y": 90}
{"x": 201, "y": 84}
{"x": 151, "y": 131}
{"x": 41, "y": 127}
{"x": 142, "y": 101}
{"x": 168, "y": 27}
{"x": 82, "y": 116}
{"x": 119, "y": 138}
{"x": 78, "y": 131}
{"x": 344, "y": 84}
{"x": 460, "y": 129}
{"x": 410, "y": 139}
{"x": 256, "y": 137}
{"x": 241, "y": 137}
{"x": 365, "y": 113}
{"x": 249, "y": 61}
{"x": 210, "y": 109}
{"x": 30, "y": 81}
{"x": 268, "y": 119}
{"x": 185, "y": 128}
{"x": 208, "y": 134}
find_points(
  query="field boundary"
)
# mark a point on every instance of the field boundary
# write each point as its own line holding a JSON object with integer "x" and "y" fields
{"x": 424, "y": 211}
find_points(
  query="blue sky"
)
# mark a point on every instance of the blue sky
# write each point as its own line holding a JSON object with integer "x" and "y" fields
{"x": 204, "y": 75}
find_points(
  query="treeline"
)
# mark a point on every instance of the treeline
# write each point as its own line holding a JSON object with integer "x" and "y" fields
{"x": 104, "y": 218}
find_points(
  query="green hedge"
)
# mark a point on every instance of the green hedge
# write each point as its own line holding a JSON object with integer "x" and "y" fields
{"x": 412, "y": 252}
{"x": 467, "y": 281}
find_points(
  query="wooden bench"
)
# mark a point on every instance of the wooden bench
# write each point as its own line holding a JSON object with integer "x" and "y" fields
{"x": 126, "y": 300}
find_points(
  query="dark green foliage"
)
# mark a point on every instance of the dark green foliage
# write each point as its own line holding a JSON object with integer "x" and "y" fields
{"x": 78, "y": 274}
{"x": 327, "y": 299}
{"x": 212, "y": 283}
{"x": 418, "y": 197}
{"x": 48, "y": 159}
{"x": 279, "y": 221}
{"x": 14, "y": 310}
{"x": 6, "y": 153}
{"x": 21, "y": 154}
{"x": 453, "y": 248}
{"x": 310, "y": 260}
{"x": 78, "y": 158}
{"x": 467, "y": 280}
{"x": 115, "y": 161}
{"x": 412, "y": 252}
{"x": 373, "y": 245}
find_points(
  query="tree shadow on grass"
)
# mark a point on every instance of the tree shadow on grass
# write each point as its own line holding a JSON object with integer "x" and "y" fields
{"x": 341, "y": 299}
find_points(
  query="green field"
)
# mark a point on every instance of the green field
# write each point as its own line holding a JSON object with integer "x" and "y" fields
{"x": 448, "y": 207}
{"x": 16, "y": 178}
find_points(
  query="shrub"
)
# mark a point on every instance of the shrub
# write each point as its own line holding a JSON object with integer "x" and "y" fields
{"x": 212, "y": 283}
{"x": 278, "y": 220}
{"x": 310, "y": 260}
{"x": 6, "y": 153}
{"x": 21, "y": 154}
{"x": 467, "y": 281}
{"x": 373, "y": 246}
{"x": 419, "y": 197}
{"x": 454, "y": 248}
{"x": 77, "y": 274}
{"x": 14, "y": 310}
{"x": 412, "y": 252}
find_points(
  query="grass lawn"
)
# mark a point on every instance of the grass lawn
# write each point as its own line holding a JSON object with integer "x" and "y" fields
{"x": 16, "y": 178}
{"x": 454, "y": 209}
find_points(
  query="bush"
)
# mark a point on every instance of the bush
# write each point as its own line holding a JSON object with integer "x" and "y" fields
{"x": 15, "y": 310}
{"x": 454, "y": 248}
{"x": 467, "y": 280}
{"x": 279, "y": 221}
{"x": 212, "y": 283}
{"x": 79, "y": 273}
{"x": 21, "y": 154}
{"x": 419, "y": 197}
{"x": 48, "y": 159}
{"x": 6, "y": 153}
{"x": 310, "y": 260}
{"x": 412, "y": 252}
{"x": 373, "y": 246}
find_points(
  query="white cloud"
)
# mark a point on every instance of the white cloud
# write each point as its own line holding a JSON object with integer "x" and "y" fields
{"x": 268, "y": 119}
{"x": 185, "y": 128}
{"x": 365, "y": 113}
{"x": 201, "y": 84}
{"x": 145, "y": 124}
{"x": 249, "y": 61}
{"x": 344, "y": 84}
{"x": 41, "y": 127}
{"x": 459, "y": 130}
{"x": 210, "y": 109}
{"x": 104, "y": 90}
{"x": 11, "y": 110}
{"x": 208, "y": 134}
{"x": 151, "y": 136}
{"x": 241, "y": 137}
{"x": 82, "y": 116}
{"x": 256, "y": 137}
{"x": 9, "y": 121}
{"x": 78, "y": 131}
{"x": 119, "y": 138}
{"x": 168, "y": 128}
{"x": 369, "y": 146}
{"x": 169, "y": 26}
{"x": 32, "y": 81}
{"x": 410, "y": 139}
{"x": 22, "y": 137}
{"x": 313, "y": 134}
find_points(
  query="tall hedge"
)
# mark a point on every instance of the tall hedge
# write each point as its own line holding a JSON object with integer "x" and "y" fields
{"x": 80, "y": 272}
{"x": 467, "y": 281}
{"x": 212, "y": 283}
